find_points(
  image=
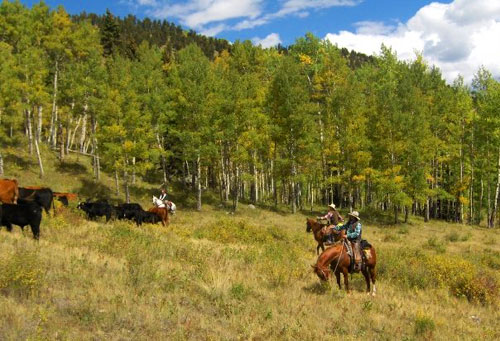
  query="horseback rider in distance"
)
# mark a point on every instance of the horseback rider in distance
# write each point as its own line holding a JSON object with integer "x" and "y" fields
{"x": 331, "y": 214}
{"x": 353, "y": 233}
{"x": 163, "y": 196}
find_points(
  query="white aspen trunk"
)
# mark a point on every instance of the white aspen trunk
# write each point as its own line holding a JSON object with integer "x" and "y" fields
{"x": 461, "y": 213}
{"x": 30, "y": 131}
{"x": 163, "y": 160}
{"x": 53, "y": 120}
{"x": 133, "y": 170}
{"x": 427, "y": 210}
{"x": 84, "y": 130}
{"x": 255, "y": 188}
{"x": 117, "y": 183}
{"x": 97, "y": 172}
{"x": 294, "y": 188}
{"x": 71, "y": 142}
{"x": 236, "y": 188}
{"x": 497, "y": 193}
{"x": 69, "y": 123}
{"x": 481, "y": 198}
{"x": 198, "y": 182}
{"x": 222, "y": 178}
{"x": 56, "y": 128}
{"x": 1, "y": 164}
{"x": 127, "y": 189}
{"x": 61, "y": 141}
{"x": 39, "y": 157}
{"x": 38, "y": 135}
{"x": 471, "y": 189}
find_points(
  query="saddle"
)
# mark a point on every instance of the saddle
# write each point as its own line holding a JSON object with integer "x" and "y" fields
{"x": 365, "y": 254}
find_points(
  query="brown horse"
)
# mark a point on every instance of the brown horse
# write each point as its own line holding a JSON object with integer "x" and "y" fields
{"x": 318, "y": 231}
{"x": 336, "y": 259}
{"x": 161, "y": 212}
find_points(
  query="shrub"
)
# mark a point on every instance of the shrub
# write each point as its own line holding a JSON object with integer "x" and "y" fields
{"x": 412, "y": 268}
{"x": 391, "y": 237}
{"x": 453, "y": 237}
{"x": 404, "y": 230}
{"x": 22, "y": 273}
{"x": 424, "y": 324}
{"x": 434, "y": 244}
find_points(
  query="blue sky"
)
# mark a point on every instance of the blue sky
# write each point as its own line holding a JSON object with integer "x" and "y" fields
{"x": 320, "y": 18}
{"x": 458, "y": 36}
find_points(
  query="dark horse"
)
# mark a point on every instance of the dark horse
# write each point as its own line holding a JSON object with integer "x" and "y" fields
{"x": 319, "y": 231}
{"x": 336, "y": 259}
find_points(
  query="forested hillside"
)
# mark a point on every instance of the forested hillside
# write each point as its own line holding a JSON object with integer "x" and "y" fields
{"x": 296, "y": 126}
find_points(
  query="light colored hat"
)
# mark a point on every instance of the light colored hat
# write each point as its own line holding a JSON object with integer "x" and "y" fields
{"x": 332, "y": 206}
{"x": 354, "y": 214}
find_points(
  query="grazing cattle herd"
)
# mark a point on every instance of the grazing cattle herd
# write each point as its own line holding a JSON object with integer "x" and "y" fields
{"x": 22, "y": 206}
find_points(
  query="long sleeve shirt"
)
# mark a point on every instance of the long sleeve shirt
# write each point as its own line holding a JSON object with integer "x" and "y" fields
{"x": 163, "y": 196}
{"x": 353, "y": 230}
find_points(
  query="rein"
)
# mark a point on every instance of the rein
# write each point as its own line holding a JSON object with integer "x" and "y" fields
{"x": 340, "y": 256}
{"x": 336, "y": 266}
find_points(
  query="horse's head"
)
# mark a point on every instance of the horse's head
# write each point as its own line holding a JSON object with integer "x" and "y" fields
{"x": 322, "y": 273}
{"x": 309, "y": 223}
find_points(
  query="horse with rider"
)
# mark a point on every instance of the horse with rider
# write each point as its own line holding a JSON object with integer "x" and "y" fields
{"x": 349, "y": 253}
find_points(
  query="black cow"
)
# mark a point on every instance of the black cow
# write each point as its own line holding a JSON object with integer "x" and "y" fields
{"x": 23, "y": 214}
{"x": 128, "y": 211}
{"x": 96, "y": 209}
{"x": 146, "y": 217}
{"x": 44, "y": 197}
{"x": 63, "y": 200}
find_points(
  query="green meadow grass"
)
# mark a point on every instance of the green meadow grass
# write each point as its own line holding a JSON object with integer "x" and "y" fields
{"x": 212, "y": 275}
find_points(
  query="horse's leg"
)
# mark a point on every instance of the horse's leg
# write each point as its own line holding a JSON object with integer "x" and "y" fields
{"x": 345, "y": 272}
{"x": 337, "y": 275}
{"x": 367, "y": 278}
{"x": 373, "y": 275}
{"x": 317, "y": 248}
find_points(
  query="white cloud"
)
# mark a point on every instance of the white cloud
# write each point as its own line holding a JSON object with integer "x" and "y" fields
{"x": 147, "y": 2}
{"x": 299, "y": 6}
{"x": 458, "y": 37}
{"x": 198, "y": 14}
{"x": 213, "y": 30}
{"x": 271, "y": 40}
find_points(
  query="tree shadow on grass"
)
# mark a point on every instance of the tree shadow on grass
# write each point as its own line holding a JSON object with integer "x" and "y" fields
{"x": 74, "y": 168}
{"x": 93, "y": 190}
{"x": 18, "y": 161}
{"x": 318, "y": 288}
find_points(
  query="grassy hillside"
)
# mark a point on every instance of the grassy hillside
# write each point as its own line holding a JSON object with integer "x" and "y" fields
{"x": 214, "y": 275}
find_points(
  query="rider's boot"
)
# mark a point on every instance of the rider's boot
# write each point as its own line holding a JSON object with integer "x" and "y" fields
{"x": 357, "y": 256}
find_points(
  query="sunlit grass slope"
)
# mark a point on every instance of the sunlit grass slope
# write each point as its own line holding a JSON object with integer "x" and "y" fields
{"x": 217, "y": 276}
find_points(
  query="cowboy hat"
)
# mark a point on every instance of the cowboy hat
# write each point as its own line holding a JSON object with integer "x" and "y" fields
{"x": 332, "y": 206}
{"x": 354, "y": 214}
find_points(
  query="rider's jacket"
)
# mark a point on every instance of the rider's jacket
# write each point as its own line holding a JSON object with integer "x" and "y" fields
{"x": 163, "y": 196}
{"x": 353, "y": 230}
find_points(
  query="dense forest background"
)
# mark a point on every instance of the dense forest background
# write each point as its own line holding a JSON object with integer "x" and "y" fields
{"x": 301, "y": 125}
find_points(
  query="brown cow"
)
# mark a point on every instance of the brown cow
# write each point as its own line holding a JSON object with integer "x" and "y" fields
{"x": 9, "y": 191}
{"x": 69, "y": 196}
{"x": 161, "y": 212}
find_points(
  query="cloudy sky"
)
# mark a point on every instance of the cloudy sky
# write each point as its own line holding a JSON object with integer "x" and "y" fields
{"x": 458, "y": 36}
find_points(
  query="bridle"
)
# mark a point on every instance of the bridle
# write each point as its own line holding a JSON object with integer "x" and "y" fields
{"x": 336, "y": 266}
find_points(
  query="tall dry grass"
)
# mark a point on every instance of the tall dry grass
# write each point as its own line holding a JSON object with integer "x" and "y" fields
{"x": 218, "y": 276}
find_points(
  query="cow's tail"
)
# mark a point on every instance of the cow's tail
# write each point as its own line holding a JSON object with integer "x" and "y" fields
{"x": 53, "y": 204}
{"x": 16, "y": 191}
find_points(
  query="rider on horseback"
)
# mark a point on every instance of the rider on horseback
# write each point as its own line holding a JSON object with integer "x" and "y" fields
{"x": 163, "y": 196}
{"x": 332, "y": 212}
{"x": 353, "y": 231}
